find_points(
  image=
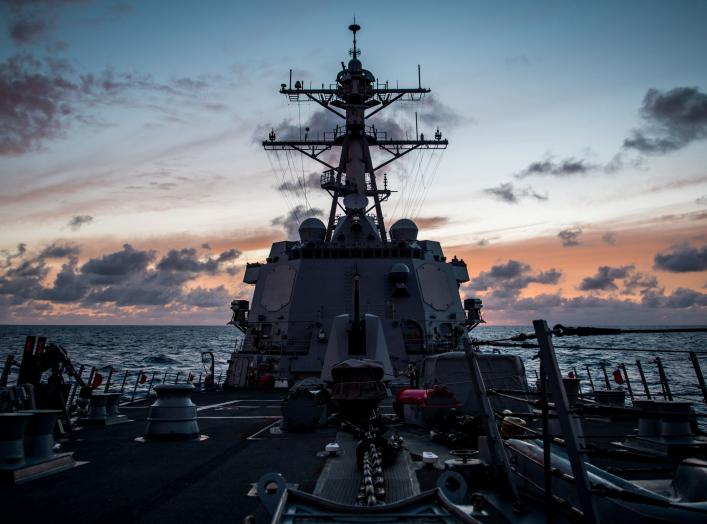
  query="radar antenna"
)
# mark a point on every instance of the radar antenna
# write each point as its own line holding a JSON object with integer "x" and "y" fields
{"x": 355, "y": 97}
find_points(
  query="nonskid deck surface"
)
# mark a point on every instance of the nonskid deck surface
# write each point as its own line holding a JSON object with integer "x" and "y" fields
{"x": 207, "y": 481}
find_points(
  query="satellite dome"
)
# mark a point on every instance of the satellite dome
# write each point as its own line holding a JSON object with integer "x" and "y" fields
{"x": 404, "y": 230}
{"x": 399, "y": 272}
{"x": 312, "y": 230}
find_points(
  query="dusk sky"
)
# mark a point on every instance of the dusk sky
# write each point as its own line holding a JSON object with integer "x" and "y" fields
{"x": 134, "y": 188}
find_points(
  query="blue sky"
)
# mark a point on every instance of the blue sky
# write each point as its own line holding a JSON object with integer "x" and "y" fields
{"x": 158, "y": 141}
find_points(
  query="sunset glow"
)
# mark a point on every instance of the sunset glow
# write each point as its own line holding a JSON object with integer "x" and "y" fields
{"x": 135, "y": 189}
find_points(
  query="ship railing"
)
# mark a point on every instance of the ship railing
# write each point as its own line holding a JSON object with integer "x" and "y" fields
{"x": 649, "y": 374}
{"x": 550, "y": 401}
{"x": 134, "y": 384}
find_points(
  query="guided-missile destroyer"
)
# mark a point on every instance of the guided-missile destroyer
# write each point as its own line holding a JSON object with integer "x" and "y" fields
{"x": 351, "y": 286}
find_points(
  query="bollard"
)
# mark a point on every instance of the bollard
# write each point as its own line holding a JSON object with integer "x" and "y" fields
{"x": 12, "y": 430}
{"x": 97, "y": 411}
{"x": 112, "y": 404}
{"x": 39, "y": 435}
{"x": 675, "y": 420}
{"x": 173, "y": 415}
{"x": 648, "y": 424}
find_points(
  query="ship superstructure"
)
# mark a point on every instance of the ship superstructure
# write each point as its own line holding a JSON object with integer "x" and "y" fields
{"x": 388, "y": 282}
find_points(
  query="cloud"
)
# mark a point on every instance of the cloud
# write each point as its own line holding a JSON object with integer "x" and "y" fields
{"x": 60, "y": 251}
{"x": 118, "y": 266}
{"x": 508, "y": 279}
{"x": 506, "y": 192}
{"x": 319, "y": 122}
{"x": 682, "y": 305}
{"x": 672, "y": 120}
{"x": 31, "y": 21}
{"x": 117, "y": 284}
{"x": 24, "y": 281}
{"x": 640, "y": 282}
{"x": 301, "y": 184}
{"x": 609, "y": 238}
{"x": 566, "y": 167}
{"x": 68, "y": 286}
{"x": 187, "y": 260}
{"x": 290, "y": 222}
{"x": 201, "y": 297}
{"x": 701, "y": 201}
{"x": 396, "y": 123}
{"x": 431, "y": 222}
{"x": 35, "y": 103}
{"x": 682, "y": 259}
{"x": 604, "y": 278}
{"x": 570, "y": 237}
{"x": 41, "y": 98}
{"x": 674, "y": 183}
{"x": 434, "y": 113}
{"x": 28, "y": 29}
{"x": 78, "y": 221}
{"x": 517, "y": 60}
{"x": 8, "y": 257}
{"x": 681, "y": 298}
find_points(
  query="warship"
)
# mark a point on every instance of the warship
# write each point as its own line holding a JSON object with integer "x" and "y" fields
{"x": 309, "y": 290}
{"x": 356, "y": 393}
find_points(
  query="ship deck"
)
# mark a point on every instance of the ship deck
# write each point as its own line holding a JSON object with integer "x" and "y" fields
{"x": 120, "y": 479}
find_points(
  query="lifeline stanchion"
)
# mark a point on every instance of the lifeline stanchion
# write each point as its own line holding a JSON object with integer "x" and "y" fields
{"x": 125, "y": 379}
{"x": 606, "y": 377}
{"x": 72, "y": 396}
{"x": 547, "y": 457}
{"x": 137, "y": 381}
{"x": 698, "y": 372}
{"x": 571, "y": 429}
{"x": 589, "y": 374}
{"x": 663, "y": 379}
{"x": 152, "y": 381}
{"x": 110, "y": 376}
{"x": 628, "y": 382}
{"x": 643, "y": 379}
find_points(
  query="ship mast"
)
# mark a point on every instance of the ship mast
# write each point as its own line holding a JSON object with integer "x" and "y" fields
{"x": 355, "y": 97}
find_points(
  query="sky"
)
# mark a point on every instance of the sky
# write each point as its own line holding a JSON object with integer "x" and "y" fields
{"x": 135, "y": 188}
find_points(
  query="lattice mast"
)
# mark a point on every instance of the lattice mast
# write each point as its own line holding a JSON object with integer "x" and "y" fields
{"x": 355, "y": 97}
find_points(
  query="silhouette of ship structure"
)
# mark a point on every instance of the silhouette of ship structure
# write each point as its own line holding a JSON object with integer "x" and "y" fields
{"x": 351, "y": 286}
{"x": 355, "y": 393}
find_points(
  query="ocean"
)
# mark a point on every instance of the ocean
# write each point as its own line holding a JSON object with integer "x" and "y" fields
{"x": 168, "y": 353}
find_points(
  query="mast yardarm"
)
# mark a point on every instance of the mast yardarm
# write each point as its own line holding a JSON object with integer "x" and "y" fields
{"x": 355, "y": 97}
